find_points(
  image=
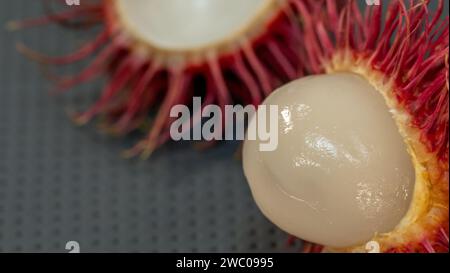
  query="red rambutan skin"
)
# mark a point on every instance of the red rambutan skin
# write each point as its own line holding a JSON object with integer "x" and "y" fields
{"x": 141, "y": 83}
{"x": 410, "y": 48}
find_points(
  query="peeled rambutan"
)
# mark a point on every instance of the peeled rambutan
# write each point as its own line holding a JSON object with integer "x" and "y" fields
{"x": 160, "y": 53}
{"x": 352, "y": 138}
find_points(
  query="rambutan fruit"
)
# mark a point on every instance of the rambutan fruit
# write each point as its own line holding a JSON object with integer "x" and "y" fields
{"x": 160, "y": 53}
{"x": 363, "y": 145}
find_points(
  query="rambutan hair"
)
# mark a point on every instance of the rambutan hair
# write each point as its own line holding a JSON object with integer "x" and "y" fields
{"x": 405, "y": 56}
{"x": 144, "y": 79}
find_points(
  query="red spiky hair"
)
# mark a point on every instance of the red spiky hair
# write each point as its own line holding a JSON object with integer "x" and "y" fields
{"x": 143, "y": 79}
{"x": 405, "y": 56}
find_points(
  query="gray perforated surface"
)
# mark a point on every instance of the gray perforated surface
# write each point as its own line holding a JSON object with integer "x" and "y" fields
{"x": 59, "y": 182}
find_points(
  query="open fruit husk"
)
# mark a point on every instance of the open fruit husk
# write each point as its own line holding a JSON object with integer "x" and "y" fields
{"x": 160, "y": 53}
{"x": 403, "y": 56}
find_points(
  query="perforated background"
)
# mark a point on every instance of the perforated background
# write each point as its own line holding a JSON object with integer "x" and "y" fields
{"x": 59, "y": 182}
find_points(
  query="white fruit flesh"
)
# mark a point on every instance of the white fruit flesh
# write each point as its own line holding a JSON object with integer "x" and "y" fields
{"x": 341, "y": 173}
{"x": 188, "y": 24}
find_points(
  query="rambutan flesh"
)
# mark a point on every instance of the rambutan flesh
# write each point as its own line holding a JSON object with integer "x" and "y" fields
{"x": 404, "y": 58}
{"x": 160, "y": 53}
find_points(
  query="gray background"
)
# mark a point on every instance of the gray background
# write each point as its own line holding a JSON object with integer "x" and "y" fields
{"x": 59, "y": 182}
